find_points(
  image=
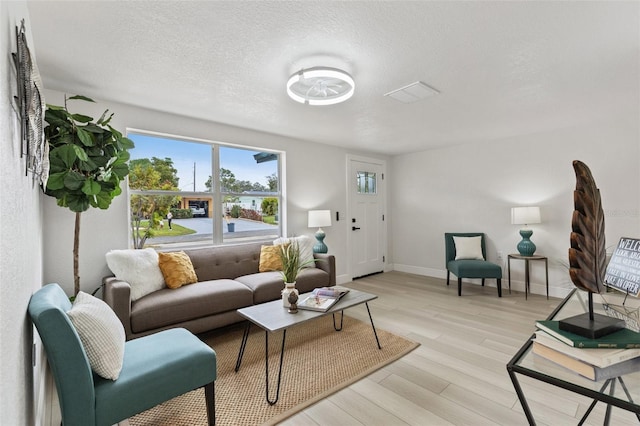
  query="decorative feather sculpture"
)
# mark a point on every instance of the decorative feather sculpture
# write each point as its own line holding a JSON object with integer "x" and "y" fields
{"x": 587, "y": 255}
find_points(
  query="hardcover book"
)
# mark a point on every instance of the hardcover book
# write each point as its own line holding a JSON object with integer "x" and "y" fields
{"x": 584, "y": 368}
{"x": 597, "y": 357}
{"x": 321, "y": 299}
{"x": 622, "y": 339}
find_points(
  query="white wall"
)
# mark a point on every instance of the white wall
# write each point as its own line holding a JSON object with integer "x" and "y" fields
{"x": 315, "y": 178}
{"x": 21, "y": 242}
{"x": 472, "y": 187}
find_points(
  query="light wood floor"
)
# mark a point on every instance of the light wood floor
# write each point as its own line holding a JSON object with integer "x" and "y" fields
{"x": 458, "y": 374}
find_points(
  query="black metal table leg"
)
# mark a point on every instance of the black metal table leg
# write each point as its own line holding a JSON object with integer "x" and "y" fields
{"x": 593, "y": 404}
{"x": 373, "y": 326}
{"x": 523, "y": 400}
{"x": 336, "y": 328}
{"x": 243, "y": 345}
{"x": 612, "y": 391}
{"x": 626, "y": 391}
{"x": 266, "y": 366}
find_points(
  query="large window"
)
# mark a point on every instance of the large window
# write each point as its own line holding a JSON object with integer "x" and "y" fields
{"x": 192, "y": 193}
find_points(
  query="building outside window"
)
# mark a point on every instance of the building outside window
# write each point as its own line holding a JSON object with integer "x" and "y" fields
{"x": 212, "y": 192}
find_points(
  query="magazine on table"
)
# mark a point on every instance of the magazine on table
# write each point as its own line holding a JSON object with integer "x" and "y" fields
{"x": 322, "y": 298}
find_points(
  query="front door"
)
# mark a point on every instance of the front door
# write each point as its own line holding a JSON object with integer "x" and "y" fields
{"x": 366, "y": 218}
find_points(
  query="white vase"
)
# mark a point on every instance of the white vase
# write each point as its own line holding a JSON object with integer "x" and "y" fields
{"x": 288, "y": 288}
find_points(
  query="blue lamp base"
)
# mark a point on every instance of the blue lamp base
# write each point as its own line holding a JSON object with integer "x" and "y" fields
{"x": 320, "y": 246}
{"x": 526, "y": 246}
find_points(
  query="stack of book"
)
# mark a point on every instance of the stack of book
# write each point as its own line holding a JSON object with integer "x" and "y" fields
{"x": 597, "y": 359}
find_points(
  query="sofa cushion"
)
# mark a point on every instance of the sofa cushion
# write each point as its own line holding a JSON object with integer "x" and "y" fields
{"x": 267, "y": 286}
{"x": 213, "y": 263}
{"x": 177, "y": 269}
{"x": 137, "y": 267}
{"x": 270, "y": 259}
{"x": 167, "y": 307}
{"x": 305, "y": 244}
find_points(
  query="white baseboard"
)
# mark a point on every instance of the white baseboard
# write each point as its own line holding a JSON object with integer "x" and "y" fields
{"x": 418, "y": 270}
{"x": 535, "y": 288}
{"x": 343, "y": 279}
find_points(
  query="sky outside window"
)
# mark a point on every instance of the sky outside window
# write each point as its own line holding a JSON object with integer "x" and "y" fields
{"x": 188, "y": 155}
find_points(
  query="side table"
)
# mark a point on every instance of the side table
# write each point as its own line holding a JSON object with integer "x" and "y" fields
{"x": 526, "y": 270}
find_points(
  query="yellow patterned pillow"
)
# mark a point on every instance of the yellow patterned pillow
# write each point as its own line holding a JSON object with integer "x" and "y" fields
{"x": 270, "y": 259}
{"x": 177, "y": 269}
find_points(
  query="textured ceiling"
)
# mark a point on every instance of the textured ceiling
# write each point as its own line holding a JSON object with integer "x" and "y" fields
{"x": 502, "y": 68}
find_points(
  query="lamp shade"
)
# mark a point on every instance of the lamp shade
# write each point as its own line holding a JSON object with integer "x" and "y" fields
{"x": 525, "y": 215}
{"x": 319, "y": 218}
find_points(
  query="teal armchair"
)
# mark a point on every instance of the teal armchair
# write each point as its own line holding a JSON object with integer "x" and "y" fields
{"x": 156, "y": 368}
{"x": 470, "y": 268}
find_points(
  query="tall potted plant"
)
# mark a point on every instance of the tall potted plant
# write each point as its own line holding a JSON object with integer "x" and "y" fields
{"x": 88, "y": 160}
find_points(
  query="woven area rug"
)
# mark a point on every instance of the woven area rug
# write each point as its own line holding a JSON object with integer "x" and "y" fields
{"x": 318, "y": 362}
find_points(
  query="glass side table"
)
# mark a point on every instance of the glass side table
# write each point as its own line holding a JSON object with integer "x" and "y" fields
{"x": 622, "y": 392}
{"x": 526, "y": 270}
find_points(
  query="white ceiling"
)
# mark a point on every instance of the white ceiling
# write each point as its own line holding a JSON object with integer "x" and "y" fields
{"x": 502, "y": 68}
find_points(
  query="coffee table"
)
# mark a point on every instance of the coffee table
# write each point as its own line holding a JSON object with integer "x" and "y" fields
{"x": 272, "y": 317}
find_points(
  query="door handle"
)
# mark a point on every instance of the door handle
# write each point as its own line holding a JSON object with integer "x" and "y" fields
{"x": 354, "y": 228}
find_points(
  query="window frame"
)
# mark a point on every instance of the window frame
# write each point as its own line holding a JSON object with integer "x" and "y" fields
{"x": 215, "y": 195}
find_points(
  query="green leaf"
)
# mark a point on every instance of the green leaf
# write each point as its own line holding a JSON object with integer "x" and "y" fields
{"x": 106, "y": 122}
{"x": 77, "y": 203}
{"x": 94, "y": 128}
{"x": 56, "y": 165}
{"x": 81, "y": 118}
{"x": 66, "y": 153}
{"x": 54, "y": 107}
{"x": 126, "y": 143}
{"x": 116, "y": 134}
{"x": 82, "y": 98}
{"x": 58, "y": 118}
{"x": 85, "y": 137}
{"x": 88, "y": 166}
{"x": 56, "y": 180}
{"x": 80, "y": 153}
{"x": 91, "y": 187}
{"x": 123, "y": 156}
{"x": 121, "y": 170}
{"x": 74, "y": 180}
{"x": 103, "y": 200}
{"x": 101, "y": 119}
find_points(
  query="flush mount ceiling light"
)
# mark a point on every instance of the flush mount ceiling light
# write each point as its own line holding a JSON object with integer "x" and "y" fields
{"x": 320, "y": 86}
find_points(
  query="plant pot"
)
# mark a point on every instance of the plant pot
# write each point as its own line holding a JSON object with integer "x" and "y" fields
{"x": 231, "y": 227}
{"x": 288, "y": 288}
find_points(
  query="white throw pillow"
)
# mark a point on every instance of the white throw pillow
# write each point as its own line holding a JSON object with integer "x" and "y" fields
{"x": 306, "y": 248}
{"x": 468, "y": 248}
{"x": 140, "y": 268}
{"x": 101, "y": 333}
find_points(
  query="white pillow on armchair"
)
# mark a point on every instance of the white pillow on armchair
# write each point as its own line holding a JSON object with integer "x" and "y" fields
{"x": 468, "y": 248}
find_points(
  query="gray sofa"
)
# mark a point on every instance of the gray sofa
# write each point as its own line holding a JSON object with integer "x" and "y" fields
{"x": 228, "y": 279}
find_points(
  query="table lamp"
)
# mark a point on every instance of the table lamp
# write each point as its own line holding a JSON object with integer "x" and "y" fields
{"x": 525, "y": 216}
{"x": 319, "y": 218}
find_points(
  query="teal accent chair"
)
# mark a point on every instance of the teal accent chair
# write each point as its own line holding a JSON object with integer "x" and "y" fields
{"x": 156, "y": 368}
{"x": 470, "y": 268}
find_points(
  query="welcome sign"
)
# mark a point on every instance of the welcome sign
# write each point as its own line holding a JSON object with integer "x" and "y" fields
{"x": 623, "y": 271}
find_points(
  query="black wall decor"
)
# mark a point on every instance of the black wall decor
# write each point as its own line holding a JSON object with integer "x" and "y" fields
{"x": 30, "y": 108}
